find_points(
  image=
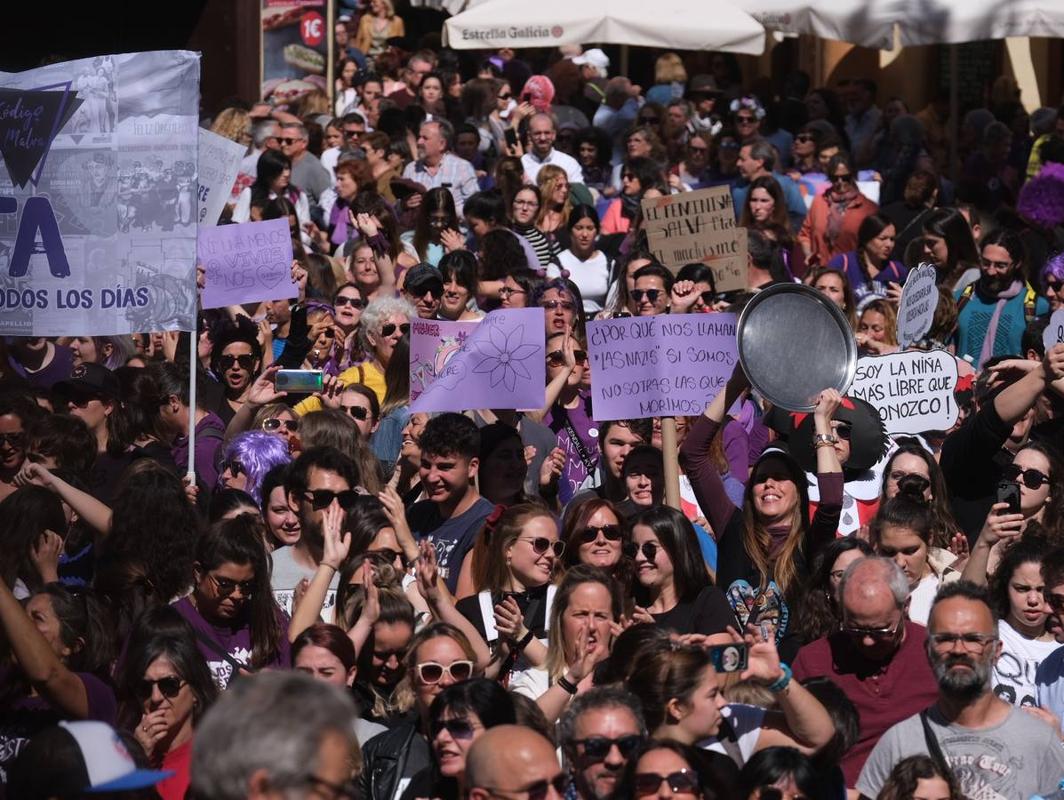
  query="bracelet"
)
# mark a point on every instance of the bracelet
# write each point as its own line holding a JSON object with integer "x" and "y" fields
{"x": 783, "y": 681}
{"x": 523, "y": 642}
{"x": 569, "y": 686}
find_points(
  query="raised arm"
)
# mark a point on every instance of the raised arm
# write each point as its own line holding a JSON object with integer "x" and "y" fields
{"x": 88, "y": 508}
{"x": 337, "y": 546}
{"x": 442, "y": 606}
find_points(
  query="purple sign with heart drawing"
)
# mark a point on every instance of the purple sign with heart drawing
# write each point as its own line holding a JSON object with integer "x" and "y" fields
{"x": 497, "y": 362}
{"x": 246, "y": 263}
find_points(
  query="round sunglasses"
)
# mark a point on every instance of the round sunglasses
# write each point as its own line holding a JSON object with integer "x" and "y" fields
{"x": 1031, "y": 478}
{"x": 541, "y": 544}
{"x": 274, "y": 424}
{"x": 169, "y": 687}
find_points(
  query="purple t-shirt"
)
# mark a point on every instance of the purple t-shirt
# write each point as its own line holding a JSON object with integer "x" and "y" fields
{"x": 210, "y": 433}
{"x": 235, "y": 641}
{"x": 30, "y": 715}
{"x": 57, "y": 370}
{"x": 574, "y": 472}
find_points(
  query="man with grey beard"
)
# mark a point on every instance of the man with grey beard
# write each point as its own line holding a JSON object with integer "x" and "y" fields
{"x": 994, "y": 749}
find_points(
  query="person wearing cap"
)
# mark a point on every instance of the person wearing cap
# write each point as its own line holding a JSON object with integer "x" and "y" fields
{"x": 594, "y": 70}
{"x": 74, "y": 759}
{"x": 542, "y": 131}
{"x": 423, "y": 288}
{"x": 704, "y": 94}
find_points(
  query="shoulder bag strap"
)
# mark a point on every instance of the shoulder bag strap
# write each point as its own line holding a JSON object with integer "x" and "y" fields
{"x": 933, "y": 748}
{"x": 221, "y": 651}
{"x": 581, "y": 451}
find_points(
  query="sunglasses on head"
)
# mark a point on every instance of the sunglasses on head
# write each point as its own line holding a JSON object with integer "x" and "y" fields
{"x": 358, "y": 412}
{"x": 274, "y": 424}
{"x": 541, "y": 544}
{"x": 13, "y": 440}
{"x": 235, "y": 467}
{"x": 591, "y": 533}
{"x": 354, "y": 302}
{"x": 429, "y": 672}
{"x": 169, "y": 687}
{"x": 456, "y": 728}
{"x": 598, "y": 747}
{"x": 390, "y": 328}
{"x": 1031, "y": 478}
{"x": 246, "y": 362}
{"x": 682, "y": 781}
{"x": 651, "y": 295}
{"x": 556, "y": 358}
{"x": 323, "y": 498}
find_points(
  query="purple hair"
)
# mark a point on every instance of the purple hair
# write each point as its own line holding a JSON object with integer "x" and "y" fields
{"x": 1054, "y": 267}
{"x": 258, "y": 452}
{"x": 1041, "y": 199}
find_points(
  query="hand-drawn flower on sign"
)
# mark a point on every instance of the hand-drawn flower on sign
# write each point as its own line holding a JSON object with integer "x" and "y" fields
{"x": 504, "y": 356}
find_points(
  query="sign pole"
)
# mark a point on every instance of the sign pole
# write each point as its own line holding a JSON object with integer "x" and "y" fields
{"x": 193, "y": 358}
{"x": 671, "y": 454}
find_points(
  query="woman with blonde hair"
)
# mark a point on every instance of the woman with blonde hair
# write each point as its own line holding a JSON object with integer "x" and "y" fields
{"x": 553, "y": 183}
{"x": 234, "y": 124}
{"x": 670, "y": 75}
{"x": 377, "y": 27}
{"x": 877, "y": 327}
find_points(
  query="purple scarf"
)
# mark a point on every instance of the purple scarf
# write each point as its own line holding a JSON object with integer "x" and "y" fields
{"x": 991, "y": 331}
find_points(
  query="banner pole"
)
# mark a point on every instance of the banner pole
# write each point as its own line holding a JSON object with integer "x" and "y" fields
{"x": 193, "y": 358}
{"x": 670, "y": 451}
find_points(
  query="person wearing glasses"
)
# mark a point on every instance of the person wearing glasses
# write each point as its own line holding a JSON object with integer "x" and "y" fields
{"x": 322, "y": 477}
{"x": 568, "y": 413}
{"x": 459, "y": 716}
{"x": 834, "y": 219}
{"x": 597, "y": 734}
{"x": 248, "y": 458}
{"x": 236, "y": 359}
{"x": 653, "y": 285}
{"x": 164, "y": 689}
{"x": 664, "y": 768}
{"x": 307, "y": 172}
{"x": 874, "y": 656}
{"x": 513, "y": 762}
{"x": 238, "y": 626}
{"x": 16, "y": 415}
{"x": 1053, "y": 282}
{"x": 593, "y": 535}
{"x": 999, "y": 748}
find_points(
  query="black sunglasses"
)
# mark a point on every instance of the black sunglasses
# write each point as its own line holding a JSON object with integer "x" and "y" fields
{"x": 226, "y": 586}
{"x": 457, "y": 728}
{"x": 323, "y": 498}
{"x": 235, "y": 467}
{"x": 358, "y": 412}
{"x": 682, "y": 781}
{"x": 1032, "y": 478}
{"x": 80, "y": 399}
{"x": 169, "y": 687}
{"x": 841, "y": 178}
{"x": 591, "y": 533}
{"x": 649, "y": 120}
{"x": 354, "y": 302}
{"x": 274, "y": 424}
{"x": 708, "y": 297}
{"x": 389, "y": 329}
{"x": 246, "y": 362}
{"x": 598, "y": 747}
{"x": 539, "y": 789}
{"x": 288, "y": 140}
{"x": 844, "y": 430}
{"x": 15, "y": 440}
{"x": 651, "y": 295}
{"x": 424, "y": 288}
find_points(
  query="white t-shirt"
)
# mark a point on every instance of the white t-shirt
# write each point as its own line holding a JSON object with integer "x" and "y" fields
{"x": 592, "y": 277}
{"x": 287, "y": 574}
{"x": 921, "y": 599}
{"x": 1014, "y": 671}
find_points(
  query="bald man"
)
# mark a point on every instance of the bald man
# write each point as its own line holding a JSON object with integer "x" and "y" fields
{"x": 510, "y": 761}
{"x": 876, "y": 657}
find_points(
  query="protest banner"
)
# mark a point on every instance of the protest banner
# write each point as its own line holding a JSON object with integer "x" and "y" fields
{"x": 1054, "y": 332}
{"x": 912, "y": 391}
{"x": 668, "y": 365}
{"x": 98, "y": 195}
{"x": 496, "y": 362}
{"x": 698, "y": 226}
{"x": 219, "y": 161}
{"x": 919, "y": 299}
{"x": 246, "y": 263}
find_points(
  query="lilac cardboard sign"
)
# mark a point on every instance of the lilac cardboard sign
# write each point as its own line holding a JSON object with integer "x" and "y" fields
{"x": 498, "y": 362}
{"x": 669, "y": 365}
{"x": 246, "y": 263}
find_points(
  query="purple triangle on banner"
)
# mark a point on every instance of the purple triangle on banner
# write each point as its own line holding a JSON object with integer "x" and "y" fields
{"x": 77, "y": 137}
{"x": 29, "y": 122}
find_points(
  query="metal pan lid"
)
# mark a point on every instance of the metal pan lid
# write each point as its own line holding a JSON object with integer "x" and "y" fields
{"x": 793, "y": 343}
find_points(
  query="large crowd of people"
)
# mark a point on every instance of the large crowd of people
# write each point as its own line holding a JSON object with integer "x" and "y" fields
{"x": 341, "y": 598}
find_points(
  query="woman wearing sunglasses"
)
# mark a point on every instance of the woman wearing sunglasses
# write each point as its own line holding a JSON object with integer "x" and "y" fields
{"x": 439, "y": 656}
{"x": 593, "y": 535}
{"x": 348, "y": 304}
{"x": 513, "y": 563}
{"x": 458, "y": 716}
{"x": 247, "y": 459}
{"x": 831, "y": 226}
{"x": 672, "y": 587}
{"x": 164, "y": 689}
{"x": 1037, "y": 470}
{"x": 238, "y": 625}
{"x": 235, "y": 361}
{"x": 278, "y": 420}
{"x": 663, "y": 769}
{"x": 568, "y": 412}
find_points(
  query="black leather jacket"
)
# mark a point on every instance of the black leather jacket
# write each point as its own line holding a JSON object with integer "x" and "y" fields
{"x": 389, "y": 757}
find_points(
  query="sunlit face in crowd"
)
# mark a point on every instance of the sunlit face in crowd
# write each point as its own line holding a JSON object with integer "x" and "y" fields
{"x": 604, "y": 550}
{"x": 638, "y": 146}
{"x": 907, "y": 464}
{"x": 282, "y": 517}
{"x": 348, "y": 305}
{"x": 761, "y": 205}
{"x": 528, "y": 565}
{"x": 905, "y": 547}
{"x": 362, "y": 270}
{"x": 873, "y": 325}
{"x": 221, "y": 593}
{"x": 881, "y": 246}
{"x": 320, "y": 663}
{"x": 618, "y": 443}
{"x": 1034, "y": 465}
{"x": 431, "y": 90}
{"x": 512, "y": 294}
{"x": 775, "y": 494}
{"x": 590, "y": 609}
{"x": 936, "y": 250}
{"x": 560, "y": 310}
{"x": 12, "y": 443}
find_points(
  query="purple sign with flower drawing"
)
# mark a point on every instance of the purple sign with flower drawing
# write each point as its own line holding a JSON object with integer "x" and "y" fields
{"x": 497, "y": 362}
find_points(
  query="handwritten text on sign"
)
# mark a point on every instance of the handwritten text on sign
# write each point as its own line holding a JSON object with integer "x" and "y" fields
{"x": 919, "y": 299}
{"x": 219, "y": 162}
{"x": 698, "y": 227}
{"x": 668, "y": 365}
{"x": 912, "y": 391}
{"x": 246, "y": 263}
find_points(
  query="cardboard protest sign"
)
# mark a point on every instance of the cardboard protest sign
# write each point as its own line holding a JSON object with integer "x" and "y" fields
{"x": 668, "y": 365}
{"x": 219, "y": 162}
{"x": 246, "y": 263}
{"x": 912, "y": 391}
{"x": 919, "y": 299}
{"x": 698, "y": 226}
{"x": 1054, "y": 332}
{"x": 98, "y": 195}
{"x": 498, "y": 362}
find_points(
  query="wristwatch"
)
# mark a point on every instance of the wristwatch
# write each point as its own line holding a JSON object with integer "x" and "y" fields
{"x": 825, "y": 439}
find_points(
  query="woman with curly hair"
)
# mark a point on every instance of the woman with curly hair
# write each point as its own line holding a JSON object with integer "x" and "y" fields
{"x": 919, "y": 777}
